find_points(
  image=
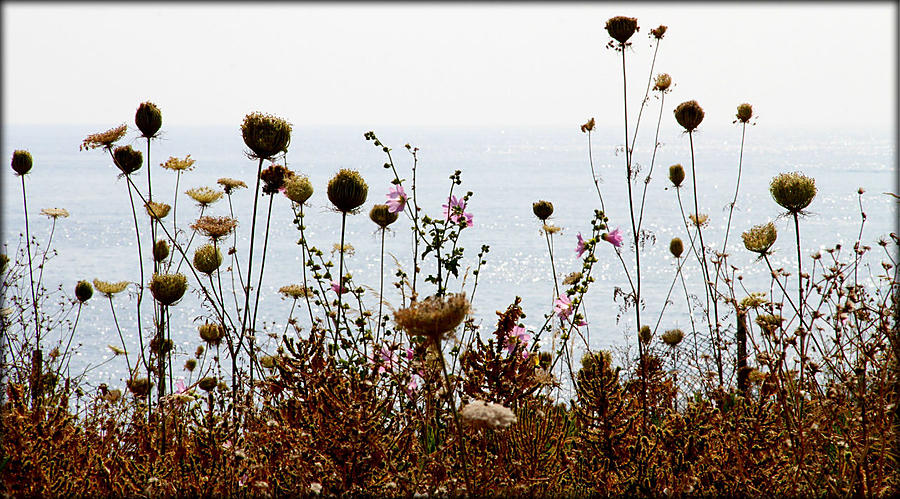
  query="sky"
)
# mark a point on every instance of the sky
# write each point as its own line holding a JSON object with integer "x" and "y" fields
{"x": 829, "y": 65}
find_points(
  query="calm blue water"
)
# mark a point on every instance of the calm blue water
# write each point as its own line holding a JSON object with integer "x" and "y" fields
{"x": 507, "y": 169}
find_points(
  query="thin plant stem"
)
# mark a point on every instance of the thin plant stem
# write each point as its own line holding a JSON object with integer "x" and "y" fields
{"x": 552, "y": 266}
{"x": 37, "y": 322}
{"x": 340, "y": 290}
{"x": 249, "y": 265}
{"x": 119, "y": 330}
{"x": 380, "y": 289}
{"x": 461, "y": 436}
{"x": 262, "y": 267}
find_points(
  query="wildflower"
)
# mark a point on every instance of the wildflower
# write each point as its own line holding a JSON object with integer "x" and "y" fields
{"x": 265, "y": 135}
{"x": 208, "y": 383}
{"x": 215, "y": 227}
{"x": 55, "y": 212}
{"x": 412, "y": 387}
{"x": 382, "y": 215}
{"x": 755, "y": 300}
{"x": 388, "y": 360}
{"x": 744, "y": 113}
{"x": 157, "y": 210}
{"x": 434, "y": 317}
{"x": 148, "y": 119}
{"x": 587, "y": 127}
{"x": 168, "y": 288}
{"x": 659, "y": 32}
{"x": 295, "y": 291}
{"x": 487, "y": 415}
{"x": 572, "y": 278}
{"x": 207, "y": 259}
{"x": 110, "y": 288}
{"x": 178, "y": 164}
{"x": 396, "y": 199}
{"x": 230, "y": 184}
{"x": 298, "y": 188}
{"x": 315, "y": 488}
{"x": 212, "y": 334}
{"x": 673, "y": 337}
{"x": 550, "y": 229}
{"x": 179, "y": 387}
{"x": 689, "y": 114}
{"x": 21, "y": 162}
{"x": 614, "y": 238}
{"x": 204, "y": 196}
{"x": 676, "y": 174}
{"x": 337, "y": 288}
{"x": 83, "y": 291}
{"x": 663, "y": 82}
{"x": 542, "y": 209}
{"x": 760, "y": 238}
{"x": 347, "y": 248}
{"x": 160, "y": 250}
{"x": 562, "y": 307}
{"x": 103, "y": 139}
{"x": 455, "y": 211}
{"x": 580, "y": 248}
{"x": 676, "y": 247}
{"x": 699, "y": 221}
{"x": 347, "y": 190}
{"x": 516, "y": 336}
{"x": 793, "y": 191}
{"x": 621, "y": 28}
{"x": 273, "y": 178}
{"x": 127, "y": 160}
{"x": 116, "y": 350}
{"x": 140, "y": 387}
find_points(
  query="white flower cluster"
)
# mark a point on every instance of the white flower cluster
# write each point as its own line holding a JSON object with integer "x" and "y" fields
{"x": 487, "y": 415}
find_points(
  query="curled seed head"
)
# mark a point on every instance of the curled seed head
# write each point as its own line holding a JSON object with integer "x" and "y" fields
{"x": 793, "y": 191}
{"x": 265, "y": 135}
{"x": 273, "y": 178}
{"x": 347, "y": 190}
{"x": 211, "y": 333}
{"x": 298, "y": 188}
{"x": 645, "y": 334}
{"x": 148, "y": 119}
{"x": 190, "y": 365}
{"x": 208, "y": 383}
{"x": 168, "y": 288}
{"x": 435, "y": 317}
{"x": 760, "y": 238}
{"x": 744, "y": 112}
{"x": 127, "y": 159}
{"x": 160, "y": 250}
{"x": 382, "y": 216}
{"x": 676, "y": 247}
{"x": 621, "y": 28}
{"x": 676, "y": 174}
{"x": 689, "y": 114}
{"x": 140, "y": 387}
{"x": 673, "y": 337}
{"x": 21, "y": 161}
{"x": 84, "y": 291}
{"x": 663, "y": 82}
{"x": 542, "y": 209}
{"x": 207, "y": 259}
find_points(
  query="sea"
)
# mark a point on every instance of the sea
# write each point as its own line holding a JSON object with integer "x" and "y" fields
{"x": 505, "y": 168}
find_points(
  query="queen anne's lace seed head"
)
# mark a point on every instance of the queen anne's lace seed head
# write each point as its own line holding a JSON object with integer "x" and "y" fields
{"x": 480, "y": 414}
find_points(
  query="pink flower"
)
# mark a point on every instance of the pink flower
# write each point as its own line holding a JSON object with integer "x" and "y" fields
{"x": 580, "y": 248}
{"x": 337, "y": 288}
{"x": 614, "y": 238}
{"x": 388, "y": 359}
{"x": 455, "y": 211}
{"x": 409, "y": 353}
{"x": 582, "y": 323}
{"x": 179, "y": 387}
{"x": 396, "y": 199}
{"x": 563, "y": 306}
{"x": 412, "y": 387}
{"x": 516, "y": 336}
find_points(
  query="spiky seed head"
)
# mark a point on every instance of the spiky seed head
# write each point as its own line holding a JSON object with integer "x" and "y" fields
{"x": 663, "y": 82}
{"x": 157, "y": 210}
{"x": 140, "y": 387}
{"x": 215, "y": 227}
{"x": 659, "y": 32}
{"x": 148, "y": 119}
{"x": 673, "y": 337}
{"x": 298, "y": 188}
{"x": 265, "y": 135}
{"x": 347, "y": 191}
{"x": 168, "y": 288}
{"x": 84, "y": 291}
{"x": 127, "y": 159}
{"x": 645, "y": 334}
{"x": 178, "y": 164}
{"x": 21, "y": 161}
{"x": 676, "y": 174}
{"x": 676, "y": 247}
{"x": 273, "y": 178}
{"x": 160, "y": 250}
{"x": 208, "y": 383}
{"x": 211, "y": 333}
{"x": 621, "y": 28}
{"x": 190, "y": 365}
{"x": 382, "y": 216}
{"x": 433, "y": 318}
{"x": 760, "y": 238}
{"x": 689, "y": 114}
{"x": 207, "y": 259}
{"x": 744, "y": 112}
{"x": 793, "y": 191}
{"x": 230, "y": 184}
{"x": 542, "y": 209}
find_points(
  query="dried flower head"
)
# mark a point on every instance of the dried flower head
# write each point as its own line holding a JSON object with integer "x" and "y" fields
{"x": 689, "y": 114}
{"x": 160, "y": 250}
{"x": 157, "y": 210}
{"x": 140, "y": 387}
{"x": 204, "y": 196}
{"x": 55, "y": 212}
{"x": 587, "y": 127}
{"x": 382, "y": 216}
{"x": 127, "y": 159}
{"x": 676, "y": 174}
{"x": 621, "y": 28}
{"x": 230, "y": 184}
{"x": 346, "y": 248}
{"x": 298, "y": 188}
{"x": 208, "y": 383}
{"x": 673, "y": 337}
{"x": 699, "y": 220}
{"x": 212, "y": 334}
{"x": 21, "y": 162}
{"x": 572, "y": 278}
{"x": 645, "y": 334}
{"x": 793, "y": 191}
{"x": 347, "y": 190}
{"x": 84, "y": 291}
{"x": 110, "y": 288}
{"x": 168, "y": 288}
{"x": 104, "y": 139}
{"x": 178, "y": 164}
{"x": 295, "y": 291}
{"x": 550, "y": 229}
{"x": 215, "y": 228}
{"x": 148, "y": 119}
{"x": 659, "y": 32}
{"x": 207, "y": 259}
{"x": 769, "y": 322}
{"x": 663, "y": 82}
{"x": 760, "y": 238}
{"x": 480, "y": 414}
{"x": 435, "y": 317}
{"x": 190, "y": 365}
{"x": 542, "y": 209}
{"x": 273, "y": 178}
{"x": 755, "y": 300}
{"x": 265, "y": 135}
{"x": 676, "y": 247}
{"x": 744, "y": 113}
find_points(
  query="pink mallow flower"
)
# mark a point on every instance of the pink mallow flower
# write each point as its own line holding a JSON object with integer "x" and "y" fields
{"x": 396, "y": 199}
{"x": 412, "y": 387}
{"x": 516, "y": 336}
{"x": 614, "y": 238}
{"x": 179, "y": 387}
{"x": 388, "y": 359}
{"x": 563, "y": 306}
{"x": 337, "y": 288}
{"x": 455, "y": 211}
{"x": 580, "y": 248}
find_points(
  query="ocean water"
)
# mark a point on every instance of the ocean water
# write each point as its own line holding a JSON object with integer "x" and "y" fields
{"x": 506, "y": 168}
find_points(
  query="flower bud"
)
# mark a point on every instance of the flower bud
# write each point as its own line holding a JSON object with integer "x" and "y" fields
{"x": 168, "y": 288}
{"x": 793, "y": 191}
{"x": 621, "y": 28}
{"x": 676, "y": 247}
{"x": 148, "y": 119}
{"x": 208, "y": 383}
{"x": 689, "y": 114}
{"x": 207, "y": 259}
{"x": 160, "y": 250}
{"x": 21, "y": 161}
{"x": 676, "y": 174}
{"x": 382, "y": 216}
{"x": 84, "y": 291}
{"x": 542, "y": 209}
{"x": 265, "y": 135}
{"x": 744, "y": 112}
{"x": 347, "y": 190}
{"x": 127, "y": 159}
{"x": 298, "y": 189}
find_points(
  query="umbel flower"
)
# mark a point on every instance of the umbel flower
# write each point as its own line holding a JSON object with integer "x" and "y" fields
{"x": 760, "y": 238}
{"x": 230, "y": 184}
{"x": 673, "y": 337}
{"x": 699, "y": 221}
{"x": 298, "y": 188}
{"x": 207, "y": 259}
{"x": 55, "y": 212}
{"x": 110, "y": 288}
{"x": 347, "y": 190}
{"x": 215, "y": 228}
{"x": 382, "y": 215}
{"x": 204, "y": 196}
{"x": 689, "y": 115}
{"x": 21, "y": 162}
{"x": 212, "y": 334}
{"x": 84, "y": 291}
{"x": 295, "y": 291}
{"x": 178, "y": 164}
{"x": 273, "y": 178}
{"x": 621, "y": 28}
{"x": 433, "y": 318}
{"x": 793, "y": 191}
{"x": 148, "y": 119}
{"x": 663, "y": 82}
{"x": 587, "y": 127}
{"x": 265, "y": 135}
{"x": 168, "y": 288}
{"x": 542, "y": 209}
{"x": 480, "y": 414}
{"x": 127, "y": 159}
{"x": 157, "y": 210}
{"x": 676, "y": 174}
{"x": 104, "y": 139}
{"x": 744, "y": 113}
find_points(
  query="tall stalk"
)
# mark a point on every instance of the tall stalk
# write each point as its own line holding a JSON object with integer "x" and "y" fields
{"x": 340, "y": 290}
{"x": 249, "y": 268}
{"x": 37, "y": 355}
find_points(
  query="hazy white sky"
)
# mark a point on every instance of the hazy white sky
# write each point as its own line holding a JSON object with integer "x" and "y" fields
{"x": 805, "y": 64}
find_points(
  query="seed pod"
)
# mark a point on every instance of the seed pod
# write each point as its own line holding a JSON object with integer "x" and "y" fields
{"x": 663, "y": 82}
{"x": 689, "y": 114}
{"x": 347, "y": 190}
{"x": 168, "y": 288}
{"x": 148, "y": 119}
{"x": 645, "y": 334}
{"x": 676, "y": 247}
{"x": 621, "y": 28}
{"x": 265, "y": 135}
{"x": 676, "y": 174}
{"x": 208, "y": 383}
{"x": 84, "y": 291}
{"x": 673, "y": 337}
{"x": 744, "y": 112}
{"x": 760, "y": 238}
{"x": 793, "y": 191}
{"x": 21, "y": 161}
{"x": 273, "y": 178}
{"x": 140, "y": 387}
{"x": 190, "y": 365}
{"x": 207, "y": 259}
{"x": 160, "y": 250}
{"x": 211, "y": 333}
{"x": 382, "y": 216}
{"x": 542, "y": 209}
{"x": 127, "y": 159}
{"x": 298, "y": 189}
